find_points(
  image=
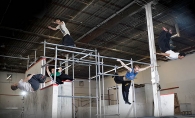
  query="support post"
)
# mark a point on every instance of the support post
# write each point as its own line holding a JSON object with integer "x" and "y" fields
{"x": 99, "y": 82}
{"x": 97, "y": 105}
{"x": 154, "y": 71}
{"x": 103, "y": 97}
{"x": 56, "y": 56}
{"x": 44, "y": 48}
{"x": 133, "y": 92}
{"x": 28, "y": 62}
{"x": 35, "y": 56}
{"x": 73, "y": 100}
{"x": 90, "y": 91}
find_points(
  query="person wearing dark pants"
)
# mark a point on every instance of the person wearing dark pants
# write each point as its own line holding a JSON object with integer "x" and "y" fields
{"x": 125, "y": 91}
{"x": 164, "y": 40}
{"x": 30, "y": 83}
{"x": 60, "y": 76}
{"x": 126, "y": 80}
{"x": 67, "y": 40}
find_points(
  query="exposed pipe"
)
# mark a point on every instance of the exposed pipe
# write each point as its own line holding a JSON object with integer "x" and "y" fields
{"x": 79, "y": 43}
{"x": 14, "y": 57}
{"x": 105, "y": 21}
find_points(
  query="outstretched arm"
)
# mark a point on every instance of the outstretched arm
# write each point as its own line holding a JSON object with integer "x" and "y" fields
{"x": 163, "y": 54}
{"x": 142, "y": 69}
{"x": 52, "y": 28}
{"x": 124, "y": 65}
{"x": 48, "y": 72}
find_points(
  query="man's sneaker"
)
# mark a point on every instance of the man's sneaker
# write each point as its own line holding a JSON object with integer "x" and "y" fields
{"x": 127, "y": 102}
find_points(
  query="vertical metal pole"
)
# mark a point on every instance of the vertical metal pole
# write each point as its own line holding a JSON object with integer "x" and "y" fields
{"x": 56, "y": 55}
{"x": 108, "y": 96}
{"x": 100, "y": 96}
{"x": 73, "y": 99}
{"x": 66, "y": 64}
{"x": 44, "y": 48}
{"x": 103, "y": 86}
{"x": 97, "y": 105}
{"x": 35, "y": 56}
{"x": 90, "y": 91}
{"x": 133, "y": 90}
{"x": 154, "y": 72}
{"x": 27, "y": 66}
{"x": 60, "y": 63}
{"x": 117, "y": 97}
{"x": 177, "y": 29}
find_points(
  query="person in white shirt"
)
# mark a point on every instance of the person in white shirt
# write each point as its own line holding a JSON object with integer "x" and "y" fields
{"x": 30, "y": 83}
{"x": 172, "y": 55}
{"x": 67, "y": 39}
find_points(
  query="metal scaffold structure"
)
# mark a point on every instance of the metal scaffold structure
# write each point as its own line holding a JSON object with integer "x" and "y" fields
{"x": 98, "y": 62}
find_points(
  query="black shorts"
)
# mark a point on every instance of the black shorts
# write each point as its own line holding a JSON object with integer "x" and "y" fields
{"x": 34, "y": 83}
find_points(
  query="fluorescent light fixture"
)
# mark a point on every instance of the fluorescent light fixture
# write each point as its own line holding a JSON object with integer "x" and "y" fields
{"x": 9, "y": 77}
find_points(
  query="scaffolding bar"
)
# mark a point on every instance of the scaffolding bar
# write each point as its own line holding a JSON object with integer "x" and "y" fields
{"x": 14, "y": 57}
{"x": 125, "y": 60}
{"x": 103, "y": 87}
{"x": 108, "y": 74}
{"x": 64, "y": 50}
{"x": 108, "y": 115}
{"x": 90, "y": 91}
{"x": 96, "y": 69}
{"x": 68, "y": 46}
{"x": 76, "y": 96}
{"x": 72, "y": 60}
{"x": 99, "y": 78}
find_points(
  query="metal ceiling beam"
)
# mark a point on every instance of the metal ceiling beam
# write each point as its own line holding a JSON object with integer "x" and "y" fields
{"x": 14, "y": 57}
{"x": 129, "y": 9}
{"x": 79, "y": 43}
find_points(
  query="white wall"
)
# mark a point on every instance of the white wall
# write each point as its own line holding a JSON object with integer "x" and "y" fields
{"x": 11, "y": 102}
{"x": 173, "y": 73}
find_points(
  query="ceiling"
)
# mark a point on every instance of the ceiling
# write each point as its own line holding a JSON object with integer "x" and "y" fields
{"x": 116, "y": 28}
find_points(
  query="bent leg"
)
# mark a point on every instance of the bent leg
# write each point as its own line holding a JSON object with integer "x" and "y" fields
{"x": 64, "y": 77}
{"x": 34, "y": 83}
{"x": 162, "y": 41}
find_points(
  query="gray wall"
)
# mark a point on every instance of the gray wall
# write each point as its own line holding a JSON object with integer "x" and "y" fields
{"x": 11, "y": 102}
{"x": 173, "y": 73}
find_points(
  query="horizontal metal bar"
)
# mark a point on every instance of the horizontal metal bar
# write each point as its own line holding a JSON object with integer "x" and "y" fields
{"x": 108, "y": 74}
{"x": 77, "y": 58}
{"x": 64, "y": 50}
{"x": 14, "y": 57}
{"x": 124, "y": 60}
{"x": 68, "y": 46}
{"x": 76, "y": 96}
{"x": 108, "y": 115}
{"x": 71, "y": 60}
{"x": 110, "y": 70}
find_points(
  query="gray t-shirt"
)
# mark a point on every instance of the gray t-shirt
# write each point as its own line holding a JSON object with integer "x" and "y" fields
{"x": 25, "y": 86}
{"x": 63, "y": 29}
{"x": 173, "y": 55}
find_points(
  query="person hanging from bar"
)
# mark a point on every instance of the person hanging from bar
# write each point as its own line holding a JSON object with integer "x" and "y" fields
{"x": 30, "y": 83}
{"x": 126, "y": 80}
{"x": 60, "y": 76}
{"x": 164, "y": 45}
{"x": 67, "y": 40}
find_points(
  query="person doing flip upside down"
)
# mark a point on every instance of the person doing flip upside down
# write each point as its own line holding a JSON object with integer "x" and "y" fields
{"x": 126, "y": 80}
{"x": 163, "y": 42}
{"x": 30, "y": 83}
